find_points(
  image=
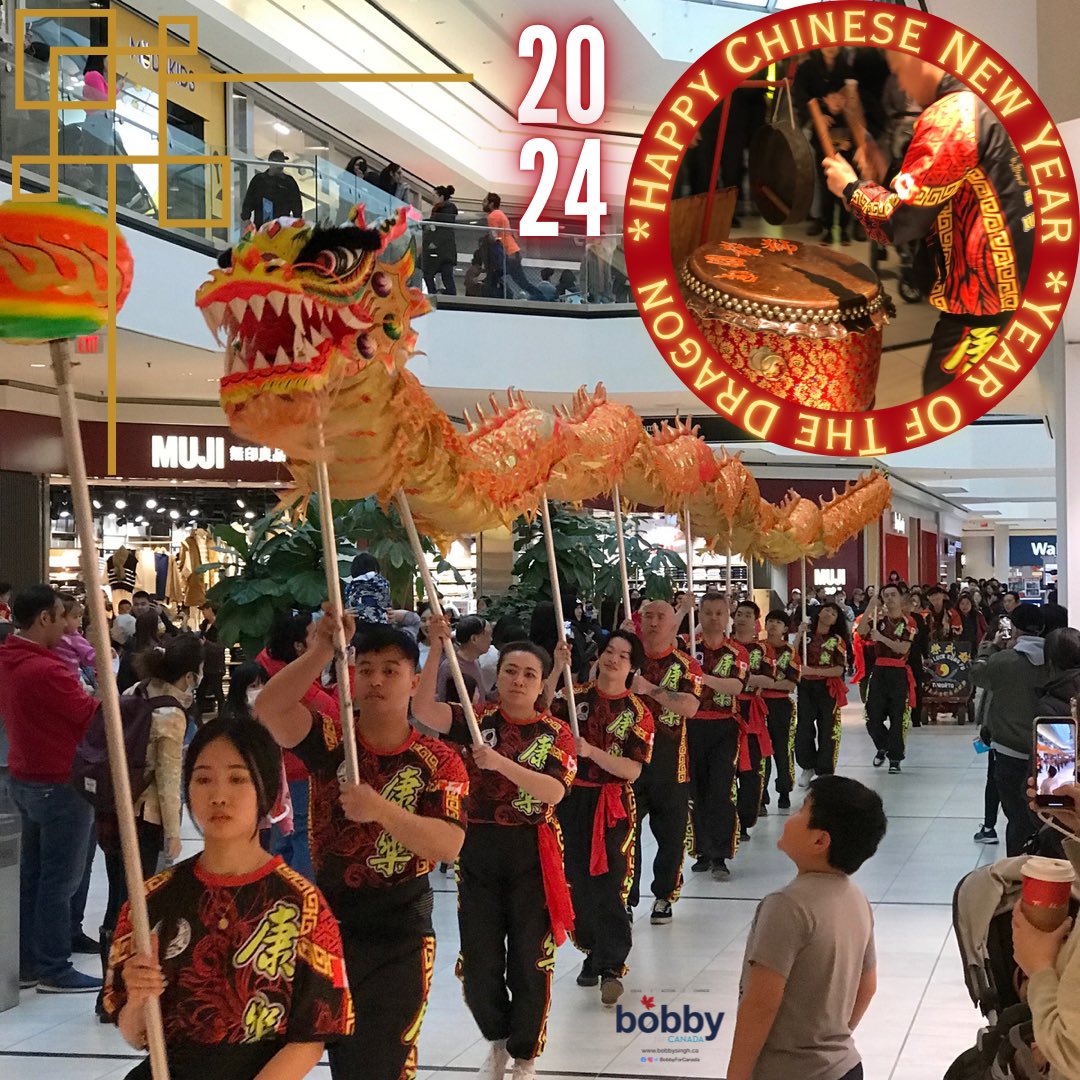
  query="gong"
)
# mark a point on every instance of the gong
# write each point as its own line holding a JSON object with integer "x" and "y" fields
{"x": 782, "y": 169}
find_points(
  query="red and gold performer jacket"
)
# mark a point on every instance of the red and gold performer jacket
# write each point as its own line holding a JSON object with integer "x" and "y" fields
{"x": 753, "y": 712}
{"x": 677, "y": 671}
{"x": 963, "y": 188}
{"x": 786, "y": 667}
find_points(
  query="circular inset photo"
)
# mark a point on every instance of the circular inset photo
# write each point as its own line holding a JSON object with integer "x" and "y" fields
{"x": 851, "y": 228}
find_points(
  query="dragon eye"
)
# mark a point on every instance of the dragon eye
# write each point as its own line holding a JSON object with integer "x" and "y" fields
{"x": 338, "y": 261}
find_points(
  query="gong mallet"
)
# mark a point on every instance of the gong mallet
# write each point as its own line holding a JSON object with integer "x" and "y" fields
{"x": 821, "y": 128}
{"x": 556, "y": 599}
{"x": 61, "y": 354}
{"x": 405, "y": 510}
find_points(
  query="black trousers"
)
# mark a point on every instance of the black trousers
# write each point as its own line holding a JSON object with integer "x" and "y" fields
{"x": 389, "y": 978}
{"x": 751, "y": 783}
{"x": 1012, "y": 776}
{"x": 957, "y": 344}
{"x": 714, "y": 767}
{"x": 602, "y": 929}
{"x": 991, "y": 800}
{"x": 666, "y": 803}
{"x": 781, "y": 724}
{"x": 507, "y": 948}
{"x": 817, "y": 728}
{"x": 151, "y": 842}
{"x": 887, "y": 711}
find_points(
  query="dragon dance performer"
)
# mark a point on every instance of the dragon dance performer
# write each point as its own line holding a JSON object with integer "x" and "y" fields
{"x": 891, "y": 693}
{"x": 670, "y": 683}
{"x": 784, "y": 662}
{"x": 248, "y": 961}
{"x": 822, "y": 693}
{"x": 513, "y": 902}
{"x": 373, "y": 844}
{"x": 963, "y": 190}
{"x": 598, "y": 815}
{"x": 755, "y": 747}
{"x": 714, "y": 737}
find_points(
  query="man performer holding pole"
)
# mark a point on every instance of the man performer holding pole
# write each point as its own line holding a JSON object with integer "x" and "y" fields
{"x": 784, "y": 681}
{"x": 714, "y": 736}
{"x": 670, "y": 683}
{"x": 892, "y": 685}
{"x": 374, "y": 843}
{"x": 756, "y": 746}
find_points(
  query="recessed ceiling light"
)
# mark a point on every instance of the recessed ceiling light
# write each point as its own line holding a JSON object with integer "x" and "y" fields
{"x": 174, "y": 514}
{"x": 249, "y": 515}
{"x": 151, "y": 503}
{"x": 240, "y": 503}
{"x": 120, "y": 504}
{"x": 281, "y": 128}
{"x": 193, "y": 513}
{"x": 97, "y": 505}
{"x": 161, "y": 509}
{"x": 37, "y": 365}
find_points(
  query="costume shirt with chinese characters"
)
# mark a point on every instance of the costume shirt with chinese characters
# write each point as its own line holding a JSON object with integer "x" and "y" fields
{"x": 825, "y": 651}
{"x": 422, "y": 775}
{"x": 621, "y": 725}
{"x": 902, "y": 629}
{"x": 728, "y": 660}
{"x": 541, "y": 743}
{"x": 680, "y": 673}
{"x": 249, "y": 963}
{"x": 785, "y": 664}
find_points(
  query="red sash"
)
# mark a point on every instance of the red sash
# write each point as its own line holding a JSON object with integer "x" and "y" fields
{"x": 756, "y": 724}
{"x": 896, "y": 662}
{"x": 837, "y": 690}
{"x": 556, "y": 891}
{"x": 857, "y": 648}
{"x": 609, "y": 810}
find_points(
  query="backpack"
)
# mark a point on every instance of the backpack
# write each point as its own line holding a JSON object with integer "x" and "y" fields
{"x": 90, "y": 774}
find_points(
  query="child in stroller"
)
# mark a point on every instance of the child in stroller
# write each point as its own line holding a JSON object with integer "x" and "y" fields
{"x": 983, "y": 903}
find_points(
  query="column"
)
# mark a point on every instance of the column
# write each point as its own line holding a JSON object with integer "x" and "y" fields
{"x": 1066, "y": 442}
{"x": 1001, "y": 553}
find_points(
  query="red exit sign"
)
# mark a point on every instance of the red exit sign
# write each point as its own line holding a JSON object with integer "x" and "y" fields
{"x": 88, "y": 343}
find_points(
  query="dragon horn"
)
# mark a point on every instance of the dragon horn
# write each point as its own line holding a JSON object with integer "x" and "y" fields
{"x": 494, "y": 405}
{"x": 481, "y": 418}
{"x": 468, "y": 419}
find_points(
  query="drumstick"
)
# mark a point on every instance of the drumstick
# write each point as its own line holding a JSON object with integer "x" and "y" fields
{"x": 821, "y": 128}
{"x": 854, "y": 112}
{"x": 776, "y": 200}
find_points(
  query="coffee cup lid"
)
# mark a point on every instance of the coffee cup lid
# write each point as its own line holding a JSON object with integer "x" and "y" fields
{"x": 1044, "y": 869}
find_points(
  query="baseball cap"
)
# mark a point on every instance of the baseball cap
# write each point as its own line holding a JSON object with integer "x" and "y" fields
{"x": 276, "y": 155}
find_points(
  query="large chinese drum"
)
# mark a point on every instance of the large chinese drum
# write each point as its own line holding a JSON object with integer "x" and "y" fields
{"x": 800, "y": 321}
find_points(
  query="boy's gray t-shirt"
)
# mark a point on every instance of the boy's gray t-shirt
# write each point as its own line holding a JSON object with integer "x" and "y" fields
{"x": 818, "y": 932}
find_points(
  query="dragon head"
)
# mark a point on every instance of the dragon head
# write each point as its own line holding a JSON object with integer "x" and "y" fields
{"x": 303, "y": 311}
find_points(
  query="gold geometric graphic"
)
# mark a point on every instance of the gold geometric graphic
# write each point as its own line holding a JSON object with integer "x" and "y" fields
{"x": 168, "y": 48}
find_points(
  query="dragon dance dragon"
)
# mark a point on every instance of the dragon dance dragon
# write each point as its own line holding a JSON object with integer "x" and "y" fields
{"x": 317, "y": 328}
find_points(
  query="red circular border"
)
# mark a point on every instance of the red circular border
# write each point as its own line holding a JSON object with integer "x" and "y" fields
{"x": 646, "y": 239}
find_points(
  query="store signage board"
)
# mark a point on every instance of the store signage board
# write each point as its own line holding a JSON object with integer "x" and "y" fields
{"x": 1033, "y": 550}
{"x": 830, "y": 577}
{"x": 190, "y": 453}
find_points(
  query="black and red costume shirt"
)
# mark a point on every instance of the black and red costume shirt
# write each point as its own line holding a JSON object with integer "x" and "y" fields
{"x": 541, "y": 743}
{"x": 423, "y": 776}
{"x": 246, "y": 960}
{"x": 825, "y": 651}
{"x": 902, "y": 629}
{"x": 758, "y": 663}
{"x": 963, "y": 188}
{"x": 728, "y": 660}
{"x": 785, "y": 665}
{"x": 622, "y": 726}
{"x": 680, "y": 673}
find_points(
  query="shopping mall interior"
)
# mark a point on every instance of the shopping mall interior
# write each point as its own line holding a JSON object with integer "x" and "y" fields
{"x": 988, "y": 504}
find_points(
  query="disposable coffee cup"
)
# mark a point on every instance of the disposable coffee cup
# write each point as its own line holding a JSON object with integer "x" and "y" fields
{"x": 1047, "y": 889}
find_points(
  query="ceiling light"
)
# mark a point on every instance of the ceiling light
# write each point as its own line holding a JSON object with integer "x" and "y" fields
{"x": 281, "y": 128}
{"x": 37, "y": 365}
{"x": 161, "y": 509}
{"x": 97, "y": 505}
{"x": 140, "y": 520}
{"x": 250, "y": 515}
{"x": 240, "y": 503}
{"x": 120, "y": 504}
{"x": 151, "y": 503}
{"x": 193, "y": 513}
{"x": 174, "y": 514}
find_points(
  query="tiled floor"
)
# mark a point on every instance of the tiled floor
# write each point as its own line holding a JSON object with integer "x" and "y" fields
{"x": 919, "y": 1022}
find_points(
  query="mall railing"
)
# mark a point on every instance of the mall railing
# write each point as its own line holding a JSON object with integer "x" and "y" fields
{"x": 464, "y": 265}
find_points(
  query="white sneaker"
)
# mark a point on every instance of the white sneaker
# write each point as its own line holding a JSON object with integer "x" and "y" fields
{"x": 494, "y": 1067}
{"x": 806, "y": 777}
{"x": 524, "y": 1069}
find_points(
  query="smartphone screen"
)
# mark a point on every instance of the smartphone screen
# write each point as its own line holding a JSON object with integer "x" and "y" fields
{"x": 1055, "y": 760}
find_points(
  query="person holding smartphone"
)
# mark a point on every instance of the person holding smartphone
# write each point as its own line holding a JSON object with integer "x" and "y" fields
{"x": 1051, "y": 961}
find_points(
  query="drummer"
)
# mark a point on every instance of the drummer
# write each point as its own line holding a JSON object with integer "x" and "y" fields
{"x": 980, "y": 240}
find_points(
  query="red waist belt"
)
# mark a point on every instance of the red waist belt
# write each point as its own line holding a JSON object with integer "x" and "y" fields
{"x": 756, "y": 724}
{"x": 860, "y": 658}
{"x": 556, "y": 891}
{"x": 609, "y": 810}
{"x": 898, "y": 662}
{"x": 776, "y": 695}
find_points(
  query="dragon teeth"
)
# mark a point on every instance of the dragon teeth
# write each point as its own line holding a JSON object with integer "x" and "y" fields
{"x": 308, "y": 303}
{"x": 277, "y": 302}
{"x": 295, "y": 307}
{"x": 216, "y": 311}
{"x": 238, "y": 307}
{"x": 257, "y": 304}
{"x": 261, "y": 361}
{"x": 282, "y": 356}
{"x": 351, "y": 320}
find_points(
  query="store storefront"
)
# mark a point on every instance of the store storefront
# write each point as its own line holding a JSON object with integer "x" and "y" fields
{"x": 1032, "y": 564}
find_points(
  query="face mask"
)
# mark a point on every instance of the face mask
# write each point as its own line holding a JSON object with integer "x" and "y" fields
{"x": 116, "y": 665}
{"x": 253, "y": 693}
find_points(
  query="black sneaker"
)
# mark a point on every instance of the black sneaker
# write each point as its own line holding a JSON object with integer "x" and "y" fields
{"x": 27, "y": 982}
{"x": 816, "y": 227}
{"x": 611, "y": 989}
{"x": 86, "y": 945}
{"x": 630, "y": 912}
{"x": 763, "y": 811}
{"x": 879, "y": 759}
{"x": 661, "y": 913}
{"x": 720, "y": 871}
{"x": 986, "y": 836}
{"x": 588, "y": 976}
{"x": 744, "y": 836}
{"x": 894, "y": 767}
{"x": 784, "y": 802}
{"x": 702, "y": 866}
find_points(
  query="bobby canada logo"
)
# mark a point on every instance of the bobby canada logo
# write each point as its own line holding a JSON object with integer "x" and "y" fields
{"x": 685, "y": 1025}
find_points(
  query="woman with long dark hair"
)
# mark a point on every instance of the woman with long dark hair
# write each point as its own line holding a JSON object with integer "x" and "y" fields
{"x": 822, "y": 691}
{"x": 972, "y": 620}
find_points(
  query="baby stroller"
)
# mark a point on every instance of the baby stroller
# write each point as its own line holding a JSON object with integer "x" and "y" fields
{"x": 982, "y": 922}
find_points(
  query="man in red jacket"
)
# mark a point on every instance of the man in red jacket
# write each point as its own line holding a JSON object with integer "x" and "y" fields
{"x": 46, "y": 712}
